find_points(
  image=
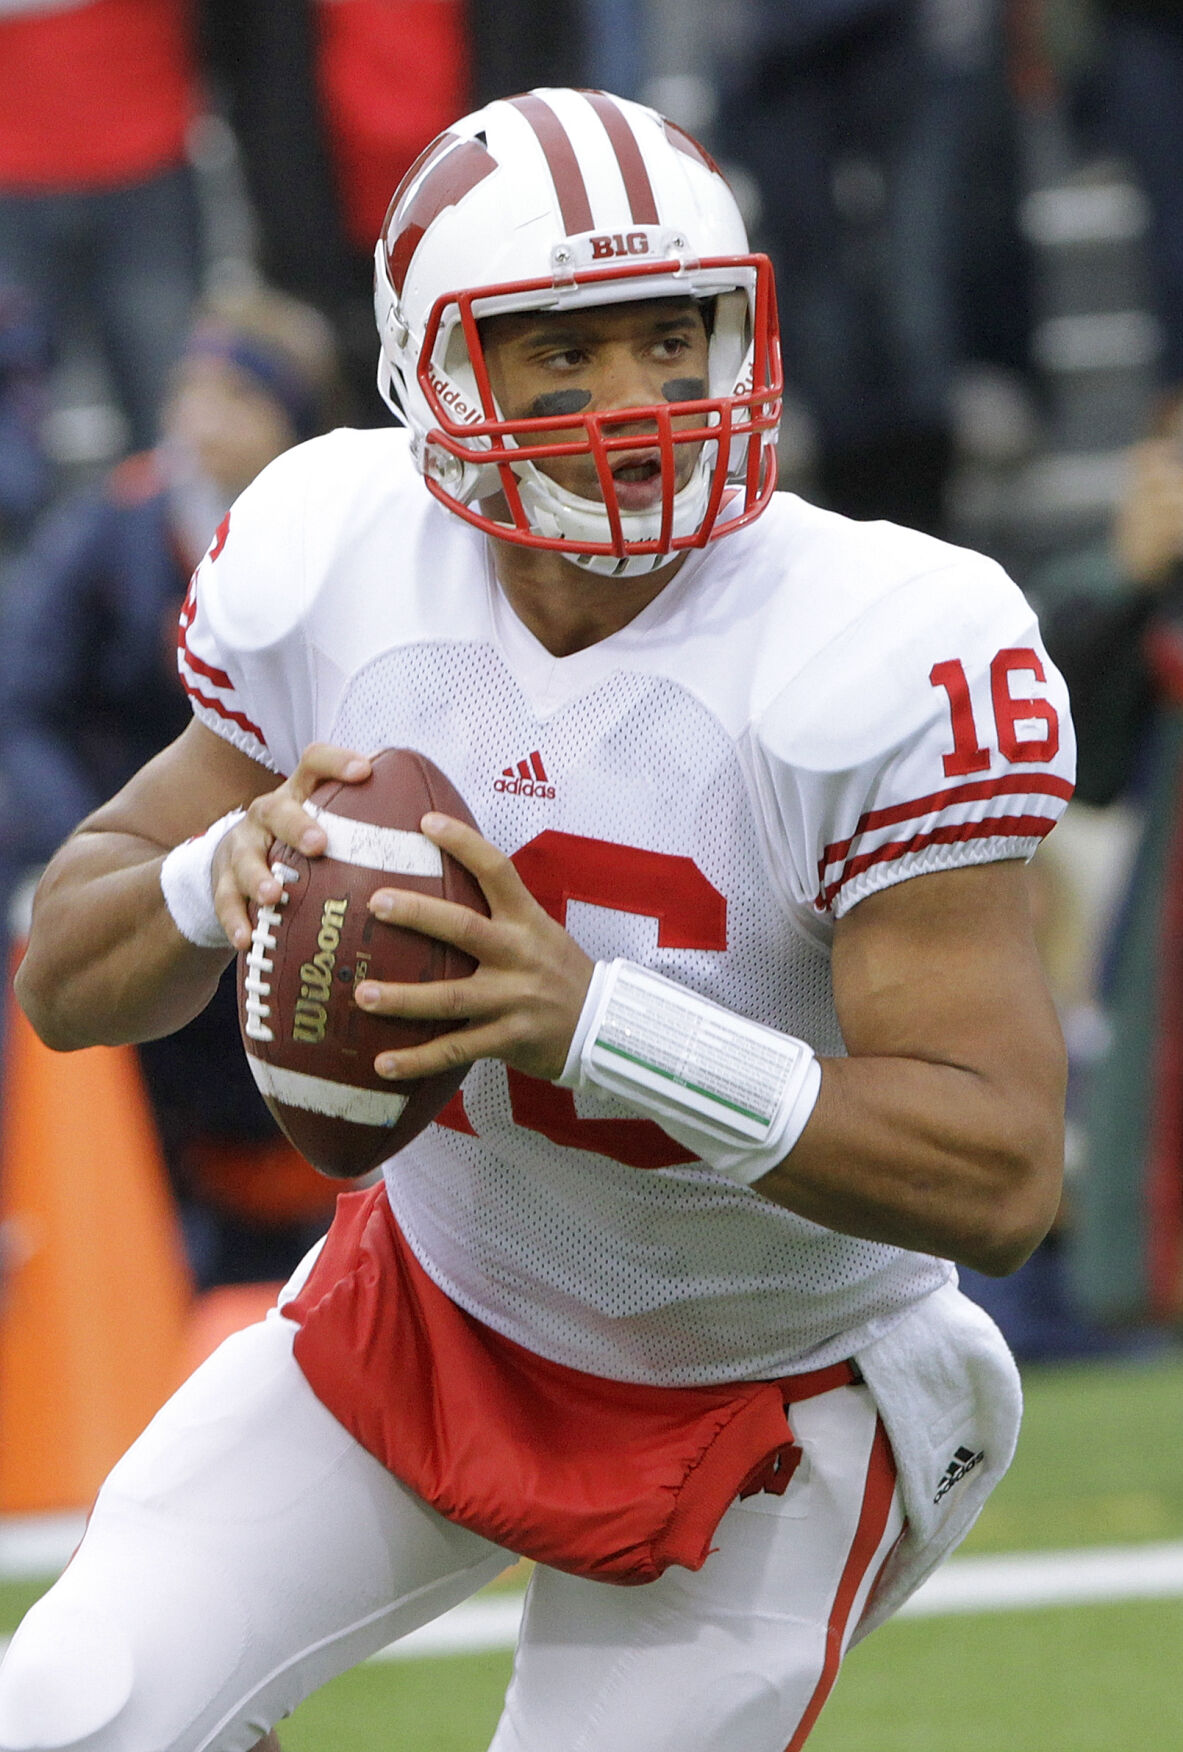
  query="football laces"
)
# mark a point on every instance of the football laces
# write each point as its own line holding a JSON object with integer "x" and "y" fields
{"x": 257, "y": 988}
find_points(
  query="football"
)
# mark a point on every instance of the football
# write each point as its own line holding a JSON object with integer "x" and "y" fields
{"x": 310, "y": 1048}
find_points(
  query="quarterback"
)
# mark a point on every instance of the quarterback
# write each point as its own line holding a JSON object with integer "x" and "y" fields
{"x": 666, "y": 1299}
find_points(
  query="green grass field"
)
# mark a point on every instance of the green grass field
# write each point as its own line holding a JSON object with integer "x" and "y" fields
{"x": 1100, "y": 1463}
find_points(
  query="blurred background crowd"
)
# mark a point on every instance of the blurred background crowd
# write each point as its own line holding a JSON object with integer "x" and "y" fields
{"x": 975, "y": 208}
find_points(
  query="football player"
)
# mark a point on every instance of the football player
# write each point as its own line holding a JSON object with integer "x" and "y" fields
{"x": 759, "y": 1043}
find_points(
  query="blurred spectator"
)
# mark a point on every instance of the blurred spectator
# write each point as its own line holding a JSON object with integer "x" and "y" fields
{"x": 1113, "y": 619}
{"x": 24, "y": 369}
{"x": 89, "y": 691}
{"x": 331, "y": 102}
{"x": 99, "y": 221}
{"x": 517, "y": 44}
{"x": 993, "y": 267}
{"x": 1037, "y": 1308}
{"x": 1141, "y": 84}
{"x": 608, "y": 54}
{"x": 855, "y": 117}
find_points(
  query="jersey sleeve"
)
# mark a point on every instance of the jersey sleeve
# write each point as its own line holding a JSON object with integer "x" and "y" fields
{"x": 933, "y": 732}
{"x": 240, "y": 651}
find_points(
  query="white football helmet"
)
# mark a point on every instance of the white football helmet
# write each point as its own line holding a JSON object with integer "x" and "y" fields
{"x": 557, "y": 200}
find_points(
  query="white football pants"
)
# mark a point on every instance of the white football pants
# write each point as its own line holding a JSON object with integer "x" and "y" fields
{"x": 246, "y": 1549}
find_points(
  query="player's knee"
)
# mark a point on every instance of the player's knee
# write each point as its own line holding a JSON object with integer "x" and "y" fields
{"x": 727, "y": 1709}
{"x": 65, "y": 1681}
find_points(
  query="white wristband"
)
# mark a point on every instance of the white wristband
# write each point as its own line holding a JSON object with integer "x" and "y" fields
{"x": 735, "y": 1092}
{"x": 187, "y": 888}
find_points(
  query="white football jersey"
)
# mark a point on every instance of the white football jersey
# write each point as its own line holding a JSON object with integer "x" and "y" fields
{"x": 812, "y": 710}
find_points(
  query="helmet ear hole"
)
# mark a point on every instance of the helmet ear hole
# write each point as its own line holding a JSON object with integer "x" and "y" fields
{"x": 456, "y": 362}
{"x": 731, "y": 340}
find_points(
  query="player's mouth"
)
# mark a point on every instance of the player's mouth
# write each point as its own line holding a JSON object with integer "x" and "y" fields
{"x": 637, "y": 479}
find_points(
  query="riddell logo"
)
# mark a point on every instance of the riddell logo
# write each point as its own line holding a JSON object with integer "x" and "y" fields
{"x": 527, "y": 779}
{"x": 451, "y": 398}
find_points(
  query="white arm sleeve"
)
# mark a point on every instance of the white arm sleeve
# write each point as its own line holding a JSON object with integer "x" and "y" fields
{"x": 242, "y": 648}
{"x": 934, "y": 733}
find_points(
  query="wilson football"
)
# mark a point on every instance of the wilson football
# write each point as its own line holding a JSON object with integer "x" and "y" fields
{"x": 310, "y": 1048}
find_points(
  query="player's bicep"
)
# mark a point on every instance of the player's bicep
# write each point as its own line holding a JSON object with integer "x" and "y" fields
{"x": 944, "y": 967}
{"x": 104, "y": 963}
{"x": 177, "y": 794}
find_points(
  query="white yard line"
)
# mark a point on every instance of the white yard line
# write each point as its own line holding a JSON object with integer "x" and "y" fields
{"x": 37, "y": 1545}
{"x": 1052, "y": 1578}
{"x": 475, "y": 1628}
{"x": 967, "y": 1584}
{"x": 1021, "y": 1582}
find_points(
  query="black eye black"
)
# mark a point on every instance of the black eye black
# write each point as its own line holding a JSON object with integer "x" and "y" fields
{"x": 559, "y": 401}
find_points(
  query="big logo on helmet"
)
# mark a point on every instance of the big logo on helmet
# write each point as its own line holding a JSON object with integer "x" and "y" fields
{"x": 619, "y": 243}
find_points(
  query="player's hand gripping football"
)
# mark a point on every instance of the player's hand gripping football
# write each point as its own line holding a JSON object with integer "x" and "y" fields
{"x": 242, "y": 863}
{"x": 522, "y": 1003}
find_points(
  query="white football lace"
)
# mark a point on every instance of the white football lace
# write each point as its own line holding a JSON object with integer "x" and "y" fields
{"x": 257, "y": 989}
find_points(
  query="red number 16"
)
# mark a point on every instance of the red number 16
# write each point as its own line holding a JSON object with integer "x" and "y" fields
{"x": 968, "y": 755}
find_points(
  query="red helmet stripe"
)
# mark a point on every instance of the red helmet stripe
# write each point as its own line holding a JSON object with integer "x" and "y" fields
{"x": 461, "y": 168}
{"x": 641, "y": 200}
{"x": 689, "y": 145}
{"x": 561, "y": 162}
{"x": 430, "y": 151}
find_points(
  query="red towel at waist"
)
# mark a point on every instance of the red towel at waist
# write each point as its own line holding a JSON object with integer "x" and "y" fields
{"x": 606, "y": 1479}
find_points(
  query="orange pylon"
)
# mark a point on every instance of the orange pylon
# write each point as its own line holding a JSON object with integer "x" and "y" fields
{"x": 95, "y": 1293}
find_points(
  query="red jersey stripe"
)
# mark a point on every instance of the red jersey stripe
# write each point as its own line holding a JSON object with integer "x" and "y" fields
{"x": 642, "y": 202}
{"x": 994, "y": 827}
{"x": 184, "y": 654}
{"x": 217, "y": 676}
{"x": 220, "y": 534}
{"x": 561, "y": 161}
{"x": 872, "y": 1525}
{"x": 1036, "y": 785}
{"x": 213, "y": 705}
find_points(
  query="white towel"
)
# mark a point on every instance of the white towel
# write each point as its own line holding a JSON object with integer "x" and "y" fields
{"x": 948, "y": 1391}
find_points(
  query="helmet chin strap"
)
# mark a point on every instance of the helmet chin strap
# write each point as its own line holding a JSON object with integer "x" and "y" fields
{"x": 553, "y": 511}
{"x": 609, "y": 566}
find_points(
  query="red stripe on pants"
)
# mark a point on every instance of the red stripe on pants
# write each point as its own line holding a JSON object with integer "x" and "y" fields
{"x": 872, "y": 1524}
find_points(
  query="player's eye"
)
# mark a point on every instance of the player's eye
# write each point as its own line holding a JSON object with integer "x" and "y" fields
{"x": 568, "y": 359}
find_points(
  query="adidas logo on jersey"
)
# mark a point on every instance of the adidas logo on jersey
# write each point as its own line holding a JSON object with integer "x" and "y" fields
{"x": 964, "y": 1460}
{"x": 527, "y": 779}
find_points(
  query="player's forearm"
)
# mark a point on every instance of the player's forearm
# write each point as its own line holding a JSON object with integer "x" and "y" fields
{"x": 929, "y": 1156}
{"x": 105, "y": 962}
